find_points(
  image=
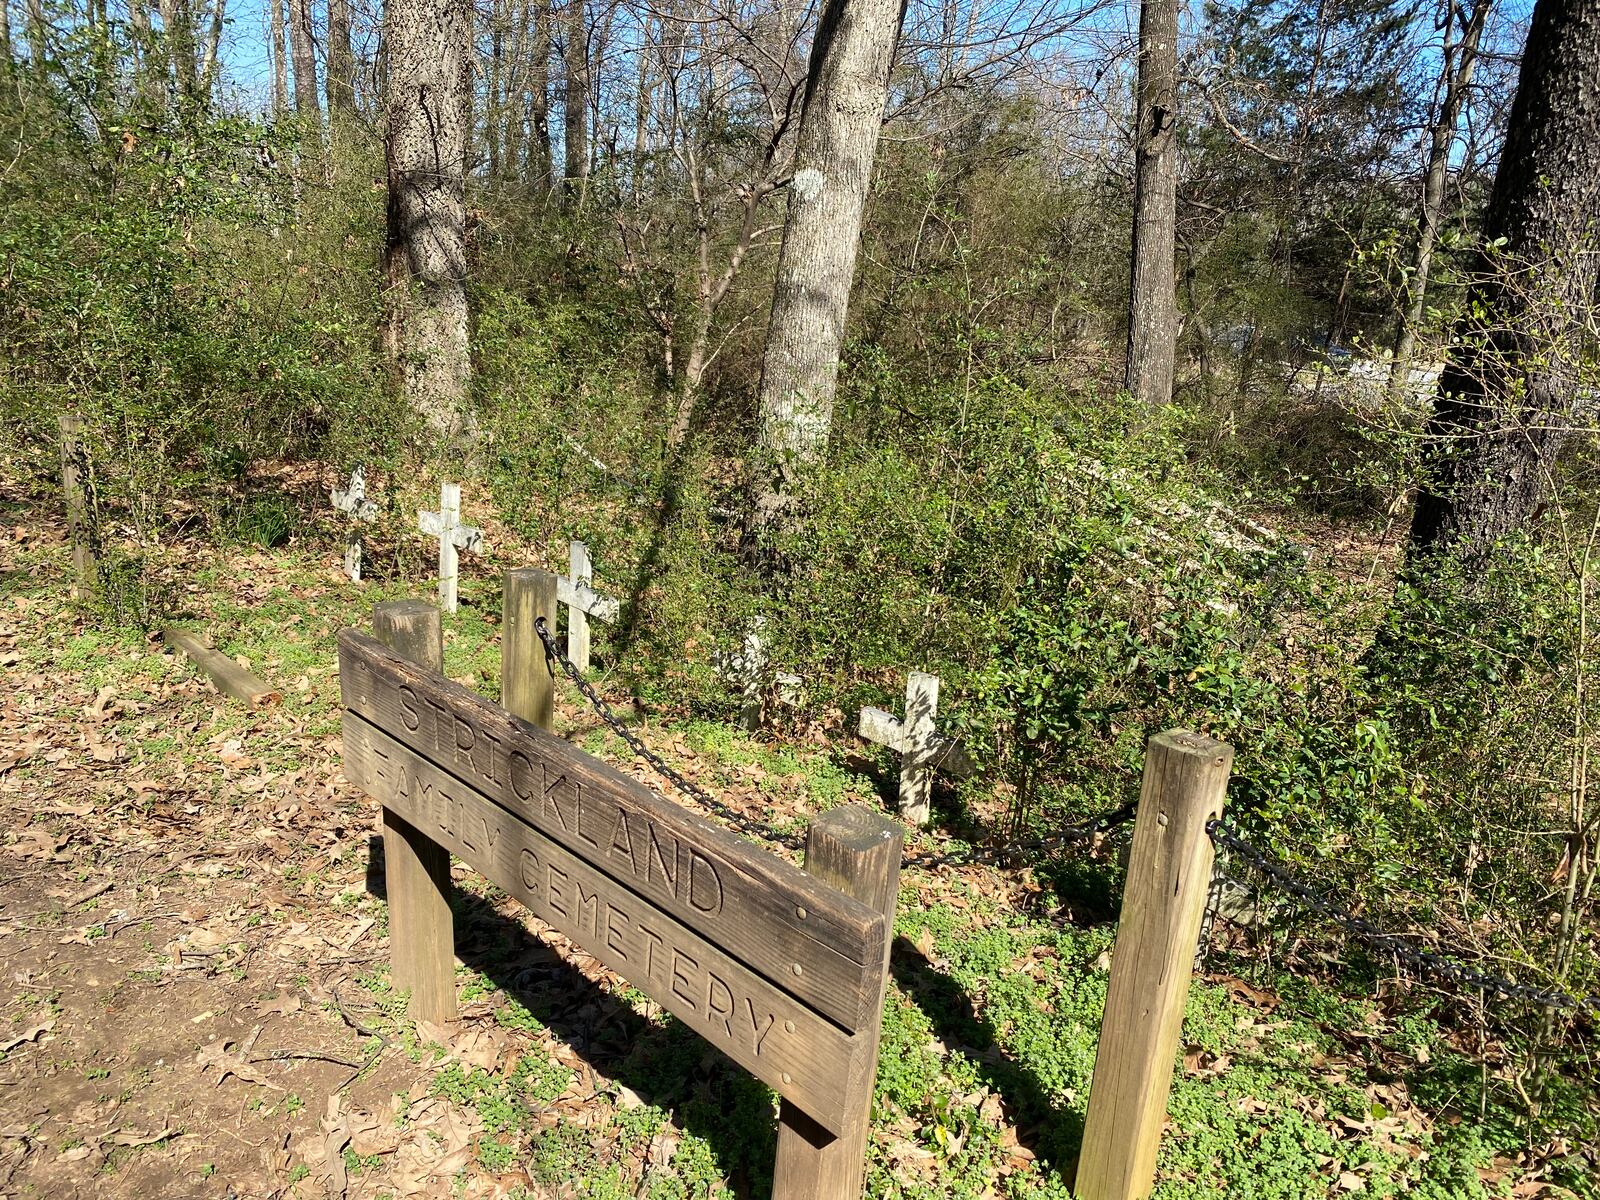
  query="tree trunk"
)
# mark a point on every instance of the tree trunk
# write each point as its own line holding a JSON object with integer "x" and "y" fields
{"x": 1455, "y": 77}
{"x": 36, "y": 43}
{"x": 1510, "y": 391}
{"x": 280, "y": 62}
{"x": 302, "y": 49}
{"x": 840, "y": 117}
{"x": 539, "y": 165}
{"x": 576, "y": 107}
{"x": 426, "y": 148}
{"x": 341, "y": 81}
{"x": 1152, "y": 298}
{"x": 5, "y": 35}
{"x": 493, "y": 108}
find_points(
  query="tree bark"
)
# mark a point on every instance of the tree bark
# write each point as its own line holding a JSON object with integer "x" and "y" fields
{"x": 1152, "y": 298}
{"x": 341, "y": 80}
{"x": 426, "y": 150}
{"x": 1510, "y": 389}
{"x": 840, "y": 117}
{"x": 1460, "y": 57}
{"x": 302, "y": 48}
{"x": 280, "y": 63}
{"x": 575, "y": 55}
{"x": 208, "y": 64}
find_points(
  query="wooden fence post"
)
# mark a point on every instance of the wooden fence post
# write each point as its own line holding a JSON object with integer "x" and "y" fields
{"x": 1169, "y": 876}
{"x": 527, "y": 686}
{"x": 72, "y": 484}
{"x": 422, "y": 941}
{"x": 857, "y": 851}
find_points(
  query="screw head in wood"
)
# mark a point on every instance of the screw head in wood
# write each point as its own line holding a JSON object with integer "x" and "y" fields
{"x": 788, "y": 1026}
{"x": 796, "y": 969}
{"x": 800, "y": 912}
{"x": 786, "y": 1078}
{"x": 1161, "y": 820}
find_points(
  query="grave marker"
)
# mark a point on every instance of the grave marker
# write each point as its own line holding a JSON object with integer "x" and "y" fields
{"x": 781, "y": 969}
{"x": 923, "y": 749}
{"x": 74, "y": 484}
{"x": 453, "y": 536}
{"x": 353, "y": 502}
{"x": 582, "y": 601}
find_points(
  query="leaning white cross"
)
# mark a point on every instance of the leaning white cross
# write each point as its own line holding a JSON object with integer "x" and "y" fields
{"x": 747, "y": 669}
{"x": 922, "y": 747}
{"x": 453, "y": 536}
{"x": 583, "y": 602}
{"x": 353, "y": 502}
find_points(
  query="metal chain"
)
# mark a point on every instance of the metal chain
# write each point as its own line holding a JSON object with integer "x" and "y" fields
{"x": 689, "y": 788}
{"x": 1071, "y": 835}
{"x": 1452, "y": 967}
{"x": 992, "y": 854}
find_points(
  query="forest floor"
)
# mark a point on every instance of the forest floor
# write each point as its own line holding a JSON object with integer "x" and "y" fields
{"x": 196, "y": 994}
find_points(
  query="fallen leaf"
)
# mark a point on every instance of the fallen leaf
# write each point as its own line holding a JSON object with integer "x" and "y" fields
{"x": 28, "y": 1035}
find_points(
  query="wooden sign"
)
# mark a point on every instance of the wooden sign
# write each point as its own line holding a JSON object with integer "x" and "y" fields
{"x": 922, "y": 747}
{"x": 780, "y": 971}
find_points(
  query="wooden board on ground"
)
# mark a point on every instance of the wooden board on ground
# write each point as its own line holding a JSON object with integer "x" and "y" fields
{"x": 228, "y": 676}
{"x": 768, "y": 912}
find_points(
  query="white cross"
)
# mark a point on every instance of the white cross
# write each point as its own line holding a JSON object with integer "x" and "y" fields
{"x": 582, "y": 602}
{"x": 746, "y": 668}
{"x": 922, "y": 747}
{"x": 353, "y": 502}
{"x": 453, "y": 536}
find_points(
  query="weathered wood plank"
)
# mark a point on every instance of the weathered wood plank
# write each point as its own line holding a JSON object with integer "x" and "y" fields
{"x": 857, "y": 851}
{"x": 416, "y": 869}
{"x": 1169, "y": 874}
{"x": 228, "y": 676}
{"x": 756, "y": 1022}
{"x": 585, "y": 599}
{"x": 821, "y": 945}
{"x": 527, "y": 681}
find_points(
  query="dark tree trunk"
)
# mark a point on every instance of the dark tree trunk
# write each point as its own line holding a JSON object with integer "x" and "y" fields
{"x": 302, "y": 49}
{"x": 341, "y": 82}
{"x": 1152, "y": 299}
{"x": 1509, "y": 393}
{"x": 576, "y": 106}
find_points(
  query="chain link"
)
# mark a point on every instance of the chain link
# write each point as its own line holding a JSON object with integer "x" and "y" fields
{"x": 694, "y": 791}
{"x": 1425, "y": 962}
{"x": 1452, "y": 967}
{"x": 990, "y": 854}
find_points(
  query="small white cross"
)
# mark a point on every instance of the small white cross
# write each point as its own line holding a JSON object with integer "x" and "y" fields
{"x": 747, "y": 669}
{"x": 453, "y": 536}
{"x": 353, "y": 502}
{"x": 582, "y": 602}
{"x": 923, "y": 749}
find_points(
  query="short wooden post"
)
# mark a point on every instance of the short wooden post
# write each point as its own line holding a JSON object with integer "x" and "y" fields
{"x": 72, "y": 484}
{"x": 422, "y": 943}
{"x": 582, "y": 575}
{"x": 857, "y": 851}
{"x": 527, "y": 684}
{"x": 1169, "y": 876}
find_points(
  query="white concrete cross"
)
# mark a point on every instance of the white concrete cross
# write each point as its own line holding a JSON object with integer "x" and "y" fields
{"x": 353, "y": 502}
{"x": 453, "y": 536}
{"x": 582, "y": 602}
{"x": 923, "y": 749}
{"x": 748, "y": 668}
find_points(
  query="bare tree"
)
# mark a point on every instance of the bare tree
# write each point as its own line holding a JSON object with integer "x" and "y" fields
{"x": 1463, "y": 29}
{"x": 426, "y": 108}
{"x": 1514, "y": 381}
{"x": 302, "y": 49}
{"x": 341, "y": 78}
{"x": 575, "y": 56}
{"x": 841, "y": 115}
{"x": 1152, "y": 299}
{"x": 280, "y": 64}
